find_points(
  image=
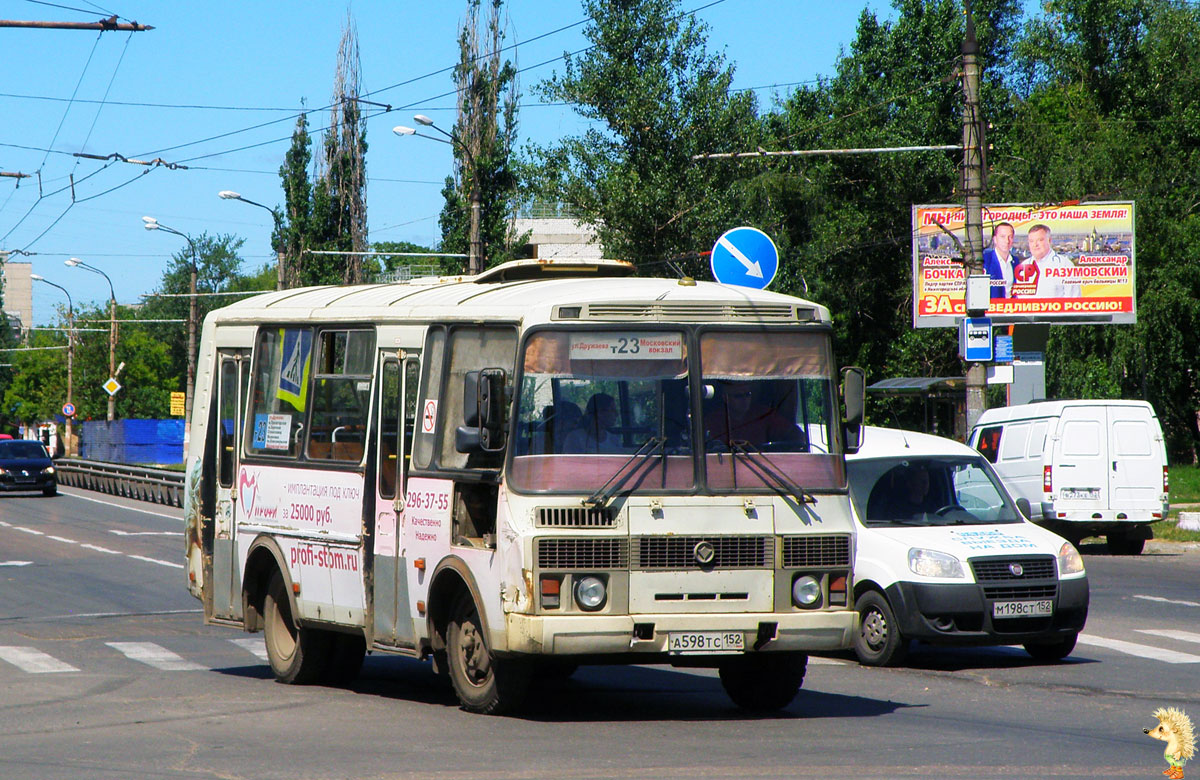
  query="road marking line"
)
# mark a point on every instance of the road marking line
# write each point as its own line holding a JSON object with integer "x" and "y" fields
{"x": 1161, "y": 600}
{"x": 33, "y": 661}
{"x": 177, "y": 518}
{"x": 172, "y": 564}
{"x": 143, "y": 533}
{"x": 253, "y": 644}
{"x": 1142, "y": 651}
{"x": 155, "y": 655}
{"x": 62, "y": 539}
{"x": 15, "y": 563}
{"x": 1182, "y": 636}
{"x": 100, "y": 549}
{"x": 33, "y": 531}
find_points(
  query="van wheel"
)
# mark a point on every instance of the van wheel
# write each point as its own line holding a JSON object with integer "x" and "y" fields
{"x": 763, "y": 681}
{"x": 1125, "y": 544}
{"x": 484, "y": 683}
{"x": 1052, "y": 651}
{"x": 878, "y": 641}
{"x": 297, "y": 655}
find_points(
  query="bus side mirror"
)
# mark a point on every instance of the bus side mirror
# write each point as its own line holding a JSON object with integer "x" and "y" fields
{"x": 854, "y": 396}
{"x": 483, "y": 412}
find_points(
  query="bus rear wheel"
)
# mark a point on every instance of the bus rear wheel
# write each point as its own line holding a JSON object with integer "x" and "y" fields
{"x": 297, "y": 655}
{"x": 483, "y": 683}
{"x": 763, "y": 681}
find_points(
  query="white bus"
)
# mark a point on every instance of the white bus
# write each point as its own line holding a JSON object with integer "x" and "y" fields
{"x": 545, "y": 465}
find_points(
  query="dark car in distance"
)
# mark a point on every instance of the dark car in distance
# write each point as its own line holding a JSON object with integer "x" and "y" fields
{"x": 26, "y": 465}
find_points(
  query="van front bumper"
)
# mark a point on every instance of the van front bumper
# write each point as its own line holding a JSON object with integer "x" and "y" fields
{"x": 961, "y": 614}
{"x": 634, "y": 636}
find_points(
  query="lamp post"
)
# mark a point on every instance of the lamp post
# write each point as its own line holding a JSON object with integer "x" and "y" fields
{"x": 475, "y": 256}
{"x": 280, "y": 264}
{"x": 75, "y": 262}
{"x": 153, "y": 224}
{"x": 70, "y": 449}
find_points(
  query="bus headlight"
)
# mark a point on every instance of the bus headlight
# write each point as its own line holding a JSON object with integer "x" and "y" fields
{"x": 1069, "y": 559}
{"x": 931, "y": 563}
{"x": 806, "y": 592}
{"x": 590, "y": 593}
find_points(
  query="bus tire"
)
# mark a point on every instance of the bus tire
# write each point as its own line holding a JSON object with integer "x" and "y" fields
{"x": 483, "y": 683}
{"x": 297, "y": 655}
{"x": 763, "y": 681}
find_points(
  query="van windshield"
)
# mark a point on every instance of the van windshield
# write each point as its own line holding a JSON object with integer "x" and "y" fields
{"x": 926, "y": 491}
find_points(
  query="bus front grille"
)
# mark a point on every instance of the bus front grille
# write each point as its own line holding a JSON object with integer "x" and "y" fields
{"x": 575, "y": 517}
{"x": 684, "y": 553}
{"x": 576, "y": 554}
{"x": 816, "y": 552}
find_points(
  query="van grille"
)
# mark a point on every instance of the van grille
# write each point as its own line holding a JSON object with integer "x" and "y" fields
{"x": 679, "y": 552}
{"x": 1009, "y": 592}
{"x": 700, "y": 312}
{"x": 816, "y": 552}
{"x": 1040, "y": 567}
{"x": 582, "y": 554}
{"x": 575, "y": 517}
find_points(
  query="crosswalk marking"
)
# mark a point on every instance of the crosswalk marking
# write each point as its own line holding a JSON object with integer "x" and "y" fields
{"x": 253, "y": 644}
{"x": 33, "y": 661}
{"x": 1182, "y": 636}
{"x": 1143, "y": 651}
{"x": 155, "y": 655}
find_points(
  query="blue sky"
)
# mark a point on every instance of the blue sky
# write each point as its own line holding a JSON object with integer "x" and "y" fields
{"x": 189, "y": 90}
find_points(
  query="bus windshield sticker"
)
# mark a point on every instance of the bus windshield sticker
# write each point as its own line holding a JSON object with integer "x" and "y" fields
{"x": 272, "y": 431}
{"x": 296, "y": 361}
{"x": 626, "y": 346}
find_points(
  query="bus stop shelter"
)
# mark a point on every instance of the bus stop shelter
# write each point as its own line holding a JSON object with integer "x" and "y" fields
{"x": 938, "y": 404}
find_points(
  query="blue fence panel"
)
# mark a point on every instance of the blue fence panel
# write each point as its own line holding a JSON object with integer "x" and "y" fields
{"x": 133, "y": 441}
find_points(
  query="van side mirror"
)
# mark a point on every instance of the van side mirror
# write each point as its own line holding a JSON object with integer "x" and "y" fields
{"x": 1024, "y": 508}
{"x": 854, "y": 396}
{"x": 483, "y": 412}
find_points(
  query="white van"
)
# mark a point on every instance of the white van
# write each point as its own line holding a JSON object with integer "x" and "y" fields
{"x": 944, "y": 555}
{"x": 1086, "y": 467}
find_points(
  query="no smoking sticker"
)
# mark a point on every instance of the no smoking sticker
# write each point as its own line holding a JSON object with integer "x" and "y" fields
{"x": 429, "y": 417}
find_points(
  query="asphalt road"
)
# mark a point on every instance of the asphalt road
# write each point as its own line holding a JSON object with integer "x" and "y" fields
{"x": 106, "y": 671}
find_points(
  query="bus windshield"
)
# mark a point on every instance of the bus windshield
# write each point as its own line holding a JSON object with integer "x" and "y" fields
{"x": 589, "y": 401}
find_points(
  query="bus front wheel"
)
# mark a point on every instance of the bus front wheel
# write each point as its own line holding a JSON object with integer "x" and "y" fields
{"x": 484, "y": 683}
{"x": 763, "y": 681}
{"x": 297, "y": 655}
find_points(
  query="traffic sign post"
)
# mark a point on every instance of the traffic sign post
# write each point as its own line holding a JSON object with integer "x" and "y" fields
{"x": 976, "y": 340}
{"x": 112, "y": 386}
{"x": 68, "y": 410}
{"x": 745, "y": 257}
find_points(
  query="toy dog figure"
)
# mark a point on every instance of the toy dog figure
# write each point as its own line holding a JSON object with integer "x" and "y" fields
{"x": 1175, "y": 728}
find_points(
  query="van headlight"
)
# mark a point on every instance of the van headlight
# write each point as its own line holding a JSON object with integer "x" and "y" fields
{"x": 931, "y": 563}
{"x": 1069, "y": 559}
{"x": 48, "y": 470}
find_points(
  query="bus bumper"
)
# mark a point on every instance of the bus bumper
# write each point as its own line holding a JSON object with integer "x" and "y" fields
{"x": 648, "y": 634}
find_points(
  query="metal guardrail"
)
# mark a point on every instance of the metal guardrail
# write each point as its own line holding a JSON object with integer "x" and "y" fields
{"x": 159, "y": 486}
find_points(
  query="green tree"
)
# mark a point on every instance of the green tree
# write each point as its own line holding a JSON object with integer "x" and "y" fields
{"x": 485, "y": 129}
{"x": 656, "y": 97}
{"x": 292, "y": 229}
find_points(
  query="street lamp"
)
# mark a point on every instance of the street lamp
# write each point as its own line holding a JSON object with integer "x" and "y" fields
{"x": 75, "y": 262}
{"x": 280, "y": 265}
{"x": 475, "y": 257}
{"x": 153, "y": 224}
{"x": 70, "y": 450}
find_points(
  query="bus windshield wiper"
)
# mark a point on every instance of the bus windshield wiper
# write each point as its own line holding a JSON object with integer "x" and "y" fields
{"x": 766, "y": 470}
{"x": 621, "y": 476}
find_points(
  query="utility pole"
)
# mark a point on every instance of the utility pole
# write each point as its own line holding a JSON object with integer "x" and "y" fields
{"x": 972, "y": 187}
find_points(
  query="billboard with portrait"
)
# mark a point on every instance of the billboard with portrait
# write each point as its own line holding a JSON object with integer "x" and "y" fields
{"x": 1050, "y": 264}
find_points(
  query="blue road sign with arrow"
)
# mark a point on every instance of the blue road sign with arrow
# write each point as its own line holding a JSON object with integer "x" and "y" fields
{"x": 746, "y": 257}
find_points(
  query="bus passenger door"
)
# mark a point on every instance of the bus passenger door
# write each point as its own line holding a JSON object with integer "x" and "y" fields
{"x": 393, "y": 622}
{"x": 233, "y": 376}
